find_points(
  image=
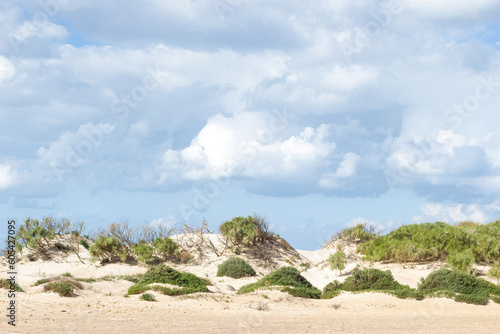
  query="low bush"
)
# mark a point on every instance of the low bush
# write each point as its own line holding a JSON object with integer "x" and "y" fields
{"x": 163, "y": 274}
{"x": 6, "y": 284}
{"x": 148, "y": 297}
{"x": 494, "y": 271}
{"x": 291, "y": 281}
{"x": 85, "y": 244}
{"x": 456, "y": 284}
{"x": 41, "y": 281}
{"x": 236, "y": 268}
{"x": 496, "y": 299}
{"x": 462, "y": 261}
{"x": 64, "y": 287}
{"x": 371, "y": 280}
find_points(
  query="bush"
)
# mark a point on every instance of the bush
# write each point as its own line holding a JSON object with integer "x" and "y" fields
{"x": 85, "y": 244}
{"x": 462, "y": 261}
{"x": 148, "y": 297}
{"x": 166, "y": 247}
{"x": 36, "y": 236}
{"x": 251, "y": 230}
{"x": 436, "y": 241}
{"x": 371, "y": 280}
{"x": 64, "y": 287}
{"x": 496, "y": 299}
{"x": 338, "y": 261}
{"x": 236, "y": 268}
{"x": 480, "y": 299}
{"x": 462, "y": 286}
{"x": 6, "y": 284}
{"x": 331, "y": 290}
{"x": 287, "y": 277}
{"x": 494, "y": 271}
{"x": 358, "y": 233}
{"x": 163, "y": 274}
{"x": 108, "y": 249}
{"x": 143, "y": 252}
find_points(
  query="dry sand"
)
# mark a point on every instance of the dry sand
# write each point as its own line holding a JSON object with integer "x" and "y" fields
{"x": 102, "y": 308}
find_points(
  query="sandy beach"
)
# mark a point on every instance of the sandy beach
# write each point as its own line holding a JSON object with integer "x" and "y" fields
{"x": 101, "y": 307}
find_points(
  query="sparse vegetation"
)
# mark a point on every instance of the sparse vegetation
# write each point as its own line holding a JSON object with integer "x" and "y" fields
{"x": 494, "y": 271}
{"x": 148, "y": 297}
{"x": 338, "y": 261}
{"x": 6, "y": 284}
{"x": 356, "y": 234}
{"x": 65, "y": 287}
{"x": 288, "y": 279}
{"x": 236, "y": 268}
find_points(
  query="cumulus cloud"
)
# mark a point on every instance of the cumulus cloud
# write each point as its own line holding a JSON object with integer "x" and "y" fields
{"x": 457, "y": 212}
{"x": 346, "y": 169}
{"x": 248, "y": 144}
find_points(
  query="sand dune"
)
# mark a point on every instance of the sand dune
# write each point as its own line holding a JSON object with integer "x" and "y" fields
{"x": 102, "y": 308}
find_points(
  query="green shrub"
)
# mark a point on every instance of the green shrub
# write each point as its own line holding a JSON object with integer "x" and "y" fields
{"x": 108, "y": 249}
{"x": 371, "y": 280}
{"x": 462, "y": 261}
{"x": 494, "y": 271}
{"x": 436, "y": 241}
{"x": 166, "y": 247}
{"x": 337, "y": 261}
{"x": 288, "y": 278}
{"x": 236, "y": 268}
{"x": 85, "y": 244}
{"x": 6, "y": 284}
{"x": 137, "y": 289}
{"x": 148, "y": 297}
{"x": 496, "y": 299}
{"x": 251, "y": 230}
{"x": 358, "y": 233}
{"x": 480, "y": 299}
{"x": 36, "y": 236}
{"x": 64, "y": 287}
{"x": 66, "y": 274}
{"x": 462, "y": 286}
{"x": 163, "y": 274}
{"x": 41, "y": 281}
{"x": 143, "y": 252}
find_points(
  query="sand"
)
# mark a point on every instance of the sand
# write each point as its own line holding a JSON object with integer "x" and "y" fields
{"x": 102, "y": 308}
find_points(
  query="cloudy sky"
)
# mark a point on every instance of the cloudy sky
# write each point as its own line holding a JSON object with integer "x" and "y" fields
{"x": 317, "y": 114}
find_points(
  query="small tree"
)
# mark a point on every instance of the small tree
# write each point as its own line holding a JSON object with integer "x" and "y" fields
{"x": 166, "y": 247}
{"x": 108, "y": 249}
{"x": 338, "y": 261}
{"x": 36, "y": 236}
{"x": 251, "y": 230}
{"x": 143, "y": 252}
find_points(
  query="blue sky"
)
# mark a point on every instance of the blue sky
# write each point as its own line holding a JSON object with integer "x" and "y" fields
{"x": 316, "y": 115}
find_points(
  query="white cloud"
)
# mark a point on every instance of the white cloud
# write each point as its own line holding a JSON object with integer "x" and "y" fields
{"x": 248, "y": 144}
{"x": 456, "y": 212}
{"x": 8, "y": 176}
{"x": 7, "y": 69}
{"x": 346, "y": 169}
{"x": 166, "y": 222}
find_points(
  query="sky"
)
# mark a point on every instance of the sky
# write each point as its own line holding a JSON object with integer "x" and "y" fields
{"x": 317, "y": 115}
